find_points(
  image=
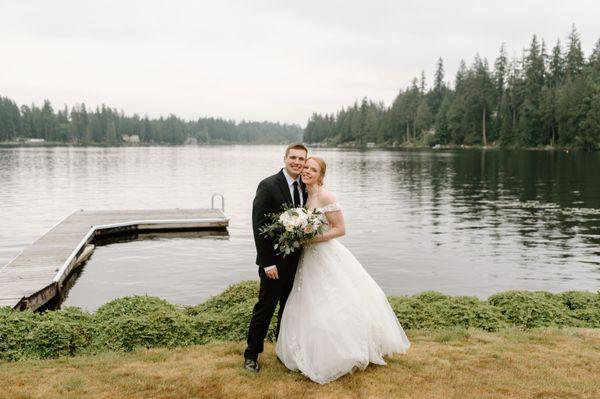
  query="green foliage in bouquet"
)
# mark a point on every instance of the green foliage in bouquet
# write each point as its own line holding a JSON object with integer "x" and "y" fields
{"x": 290, "y": 228}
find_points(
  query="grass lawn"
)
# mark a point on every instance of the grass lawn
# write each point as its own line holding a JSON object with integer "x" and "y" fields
{"x": 540, "y": 363}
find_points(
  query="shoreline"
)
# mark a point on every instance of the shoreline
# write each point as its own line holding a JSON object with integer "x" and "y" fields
{"x": 102, "y": 145}
{"x": 409, "y": 146}
{"x": 418, "y": 146}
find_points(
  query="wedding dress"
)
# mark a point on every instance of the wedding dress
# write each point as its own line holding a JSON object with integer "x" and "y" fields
{"x": 336, "y": 319}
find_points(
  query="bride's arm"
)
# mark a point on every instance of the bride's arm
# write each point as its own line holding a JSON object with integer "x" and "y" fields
{"x": 337, "y": 227}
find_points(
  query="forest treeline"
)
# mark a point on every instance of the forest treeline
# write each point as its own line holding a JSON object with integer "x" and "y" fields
{"x": 104, "y": 125}
{"x": 543, "y": 98}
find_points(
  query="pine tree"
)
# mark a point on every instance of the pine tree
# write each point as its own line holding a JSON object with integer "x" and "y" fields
{"x": 556, "y": 67}
{"x": 500, "y": 71}
{"x": 422, "y": 83}
{"x": 442, "y": 129}
{"x": 424, "y": 118}
{"x": 436, "y": 96}
{"x": 48, "y": 120}
{"x": 530, "y": 123}
{"x": 111, "y": 132}
{"x": 574, "y": 60}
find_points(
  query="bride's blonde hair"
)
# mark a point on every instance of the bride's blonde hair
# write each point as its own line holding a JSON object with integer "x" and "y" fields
{"x": 323, "y": 167}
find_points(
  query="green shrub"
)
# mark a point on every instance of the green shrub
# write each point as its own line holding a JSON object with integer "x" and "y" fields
{"x": 144, "y": 321}
{"x": 226, "y": 317}
{"x": 415, "y": 313}
{"x": 466, "y": 311}
{"x": 532, "y": 309}
{"x": 15, "y": 329}
{"x": 246, "y": 291}
{"x": 575, "y": 300}
{"x": 405, "y": 311}
{"x": 208, "y": 327}
{"x": 432, "y": 310}
{"x": 430, "y": 297}
{"x": 140, "y": 321}
{"x": 61, "y": 333}
{"x": 585, "y": 307}
{"x": 137, "y": 305}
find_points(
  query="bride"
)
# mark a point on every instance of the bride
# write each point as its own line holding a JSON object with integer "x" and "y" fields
{"x": 336, "y": 319}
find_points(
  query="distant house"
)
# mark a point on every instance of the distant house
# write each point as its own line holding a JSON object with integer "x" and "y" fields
{"x": 132, "y": 138}
{"x": 370, "y": 145}
{"x": 35, "y": 140}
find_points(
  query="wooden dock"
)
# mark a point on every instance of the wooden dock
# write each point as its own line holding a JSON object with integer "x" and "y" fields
{"x": 37, "y": 275}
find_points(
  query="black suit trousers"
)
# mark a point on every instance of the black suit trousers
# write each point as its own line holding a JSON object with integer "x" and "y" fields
{"x": 272, "y": 292}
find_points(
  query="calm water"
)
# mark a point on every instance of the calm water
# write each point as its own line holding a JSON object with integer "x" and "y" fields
{"x": 461, "y": 222}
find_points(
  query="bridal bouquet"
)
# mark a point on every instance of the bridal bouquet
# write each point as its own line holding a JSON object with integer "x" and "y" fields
{"x": 291, "y": 227}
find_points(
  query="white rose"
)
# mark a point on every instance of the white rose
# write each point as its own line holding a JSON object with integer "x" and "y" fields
{"x": 283, "y": 218}
{"x": 289, "y": 226}
{"x": 295, "y": 220}
{"x": 303, "y": 220}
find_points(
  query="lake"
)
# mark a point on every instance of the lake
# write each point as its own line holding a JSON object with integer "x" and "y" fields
{"x": 463, "y": 222}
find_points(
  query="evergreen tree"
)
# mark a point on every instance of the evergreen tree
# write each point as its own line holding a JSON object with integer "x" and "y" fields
{"x": 574, "y": 60}
{"x": 588, "y": 136}
{"x": 79, "y": 122}
{"x": 571, "y": 111}
{"x": 424, "y": 118}
{"x": 478, "y": 102}
{"x": 356, "y": 123}
{"x": 422, "y": 83}
{"x": 530, "y": 121}
{"x": 442, "y": 129}
{"x": 436, "y": 96}
{"x": 10, "y": 120}
{"x": 48, "y": 120}
{"x": 26, "y": 122}
{"x": 371, "y": 124}
{"x": 556, "y": 67}
{"x": 500, "y": 71}
{"x": 111, "y": 132}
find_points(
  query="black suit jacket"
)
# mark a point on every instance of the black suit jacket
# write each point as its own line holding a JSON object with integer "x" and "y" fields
{"x": 272, "y": 194}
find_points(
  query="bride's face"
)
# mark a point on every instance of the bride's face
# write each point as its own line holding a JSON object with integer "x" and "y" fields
{"x": 310, "y": 174}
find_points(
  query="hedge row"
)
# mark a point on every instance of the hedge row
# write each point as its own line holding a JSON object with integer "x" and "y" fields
{"x": 143, "y": 321}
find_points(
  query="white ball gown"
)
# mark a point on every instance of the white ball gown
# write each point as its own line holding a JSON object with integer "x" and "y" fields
{"x": 336, "y": 319}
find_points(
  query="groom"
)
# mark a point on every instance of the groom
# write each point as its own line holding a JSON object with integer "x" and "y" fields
{"x": 276, "y": 272}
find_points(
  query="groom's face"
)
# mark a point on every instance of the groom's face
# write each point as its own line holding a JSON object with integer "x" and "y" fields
{"x": 294, "y": 162}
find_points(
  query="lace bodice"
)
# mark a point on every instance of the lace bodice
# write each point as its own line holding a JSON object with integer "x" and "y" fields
{"x": 333, "y": 207}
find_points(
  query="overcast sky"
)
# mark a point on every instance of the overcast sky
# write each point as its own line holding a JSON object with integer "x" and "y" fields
{"x": 258, "y": 60}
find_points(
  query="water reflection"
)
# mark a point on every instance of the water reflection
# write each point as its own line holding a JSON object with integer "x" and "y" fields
{"x": 146, "y": 265}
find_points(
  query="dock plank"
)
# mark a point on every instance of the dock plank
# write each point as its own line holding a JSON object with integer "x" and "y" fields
{"x": 40, "y": 265}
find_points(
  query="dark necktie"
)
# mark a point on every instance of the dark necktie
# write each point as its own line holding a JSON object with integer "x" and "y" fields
{"x": 296, "y": 195}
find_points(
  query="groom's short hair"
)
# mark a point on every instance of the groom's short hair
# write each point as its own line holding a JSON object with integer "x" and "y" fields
{"x": 296, "y": 146}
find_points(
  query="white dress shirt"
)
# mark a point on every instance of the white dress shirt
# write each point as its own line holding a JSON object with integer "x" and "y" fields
{"x": 290, "y": 182}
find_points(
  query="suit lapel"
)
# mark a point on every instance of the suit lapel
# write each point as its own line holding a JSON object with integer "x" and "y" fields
{"x": 283, "y": 186}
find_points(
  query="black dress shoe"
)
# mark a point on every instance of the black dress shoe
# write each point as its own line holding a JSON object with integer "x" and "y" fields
{"x": 251, "y": 365}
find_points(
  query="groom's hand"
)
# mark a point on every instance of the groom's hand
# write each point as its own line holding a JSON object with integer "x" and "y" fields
{"x": 272, "y": 273}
